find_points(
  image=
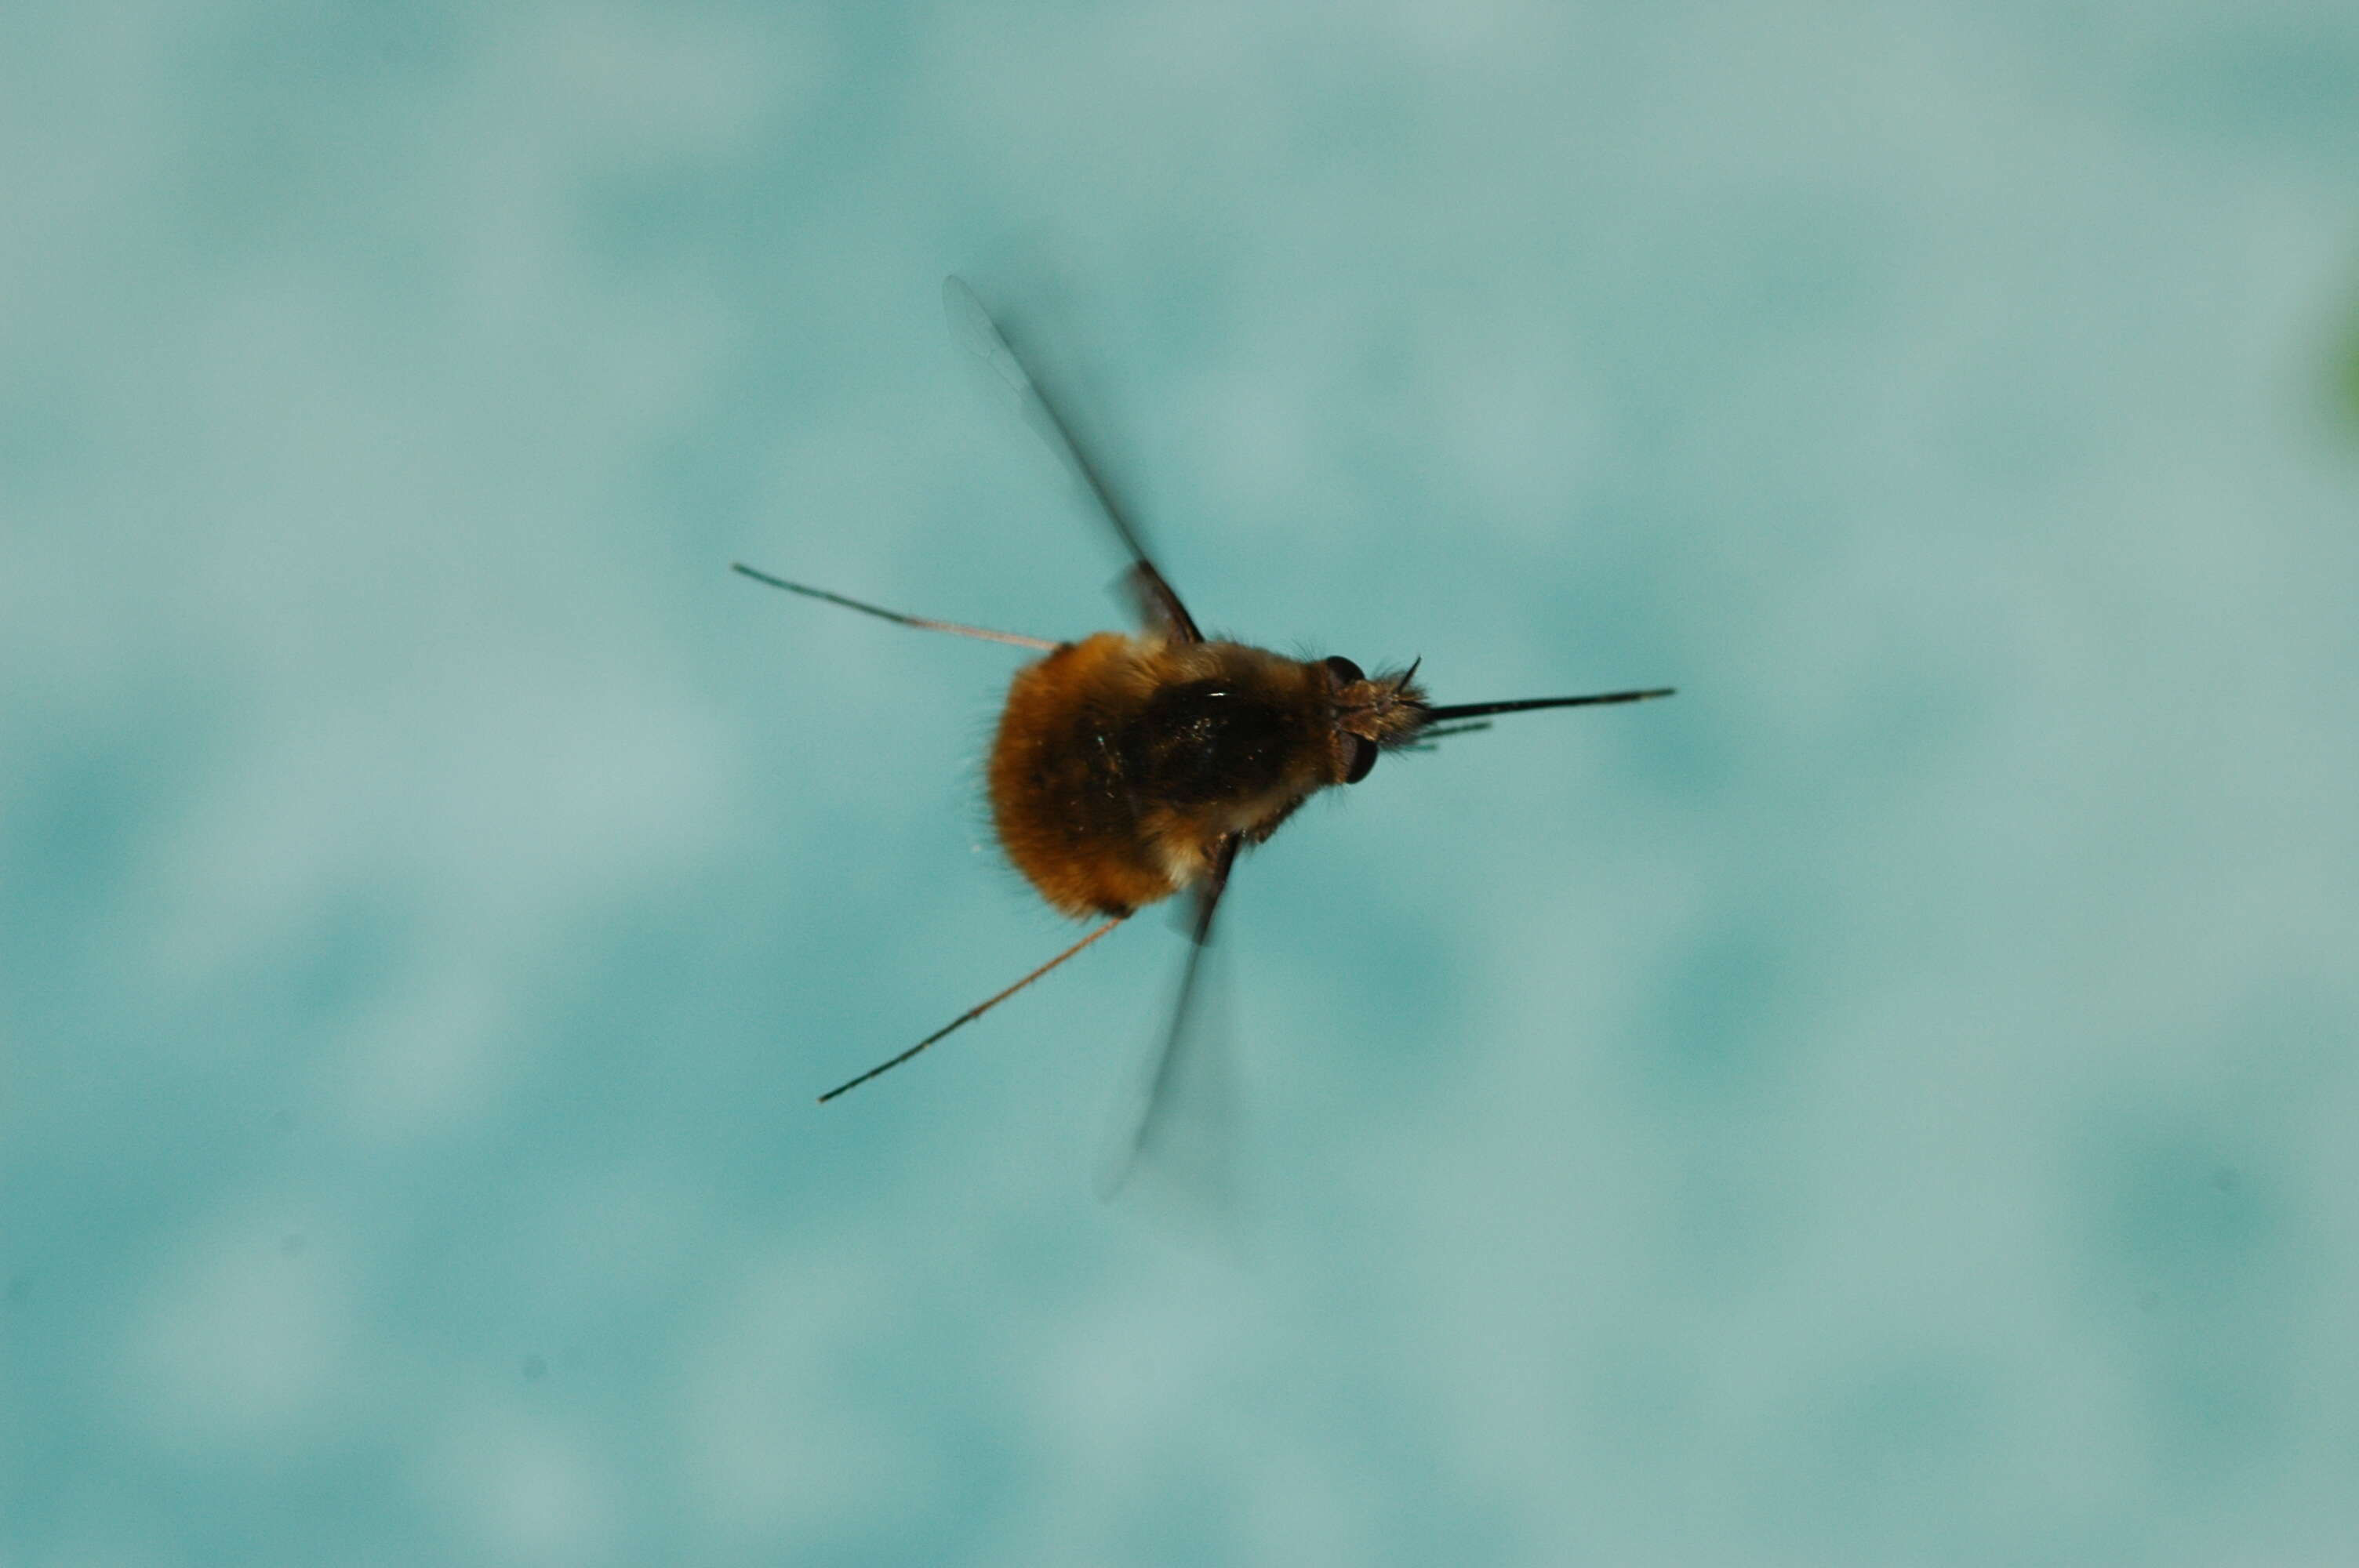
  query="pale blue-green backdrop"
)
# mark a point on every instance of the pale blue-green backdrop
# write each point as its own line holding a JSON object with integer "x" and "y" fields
{"x": 1892, "y": 1104}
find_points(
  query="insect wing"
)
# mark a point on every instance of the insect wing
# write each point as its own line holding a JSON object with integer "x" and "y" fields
{"x": 1157, "y": 605}
{"x": 1178, "y": 1123}
{"x": 972, "y": 326}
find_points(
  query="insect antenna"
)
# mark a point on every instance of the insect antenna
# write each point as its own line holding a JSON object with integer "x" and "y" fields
{"x": 971, "y": 1014}
{"x": 1426, "y": 738}
{"x": 1523, "y": 705}
{"x": 921, "y": 623}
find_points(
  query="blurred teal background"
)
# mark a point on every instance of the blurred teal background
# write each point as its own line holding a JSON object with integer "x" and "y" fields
{"x": 1892, "y": 1104}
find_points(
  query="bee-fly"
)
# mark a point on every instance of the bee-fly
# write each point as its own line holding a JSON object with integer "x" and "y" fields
{"x": 1129, "y": 767}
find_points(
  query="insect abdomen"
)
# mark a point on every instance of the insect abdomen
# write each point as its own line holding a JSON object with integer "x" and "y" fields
{"x": 1060, "y": 798}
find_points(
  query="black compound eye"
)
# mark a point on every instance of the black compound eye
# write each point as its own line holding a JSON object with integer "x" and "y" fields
{"x": 1345, "y": 672}
{"x": 1364, "y": 757}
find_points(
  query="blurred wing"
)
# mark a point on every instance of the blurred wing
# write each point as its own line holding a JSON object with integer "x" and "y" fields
{"x": 1179, "y": 1125}
{"x": 1157, "y": 605}
{"x": 974, "y": 327}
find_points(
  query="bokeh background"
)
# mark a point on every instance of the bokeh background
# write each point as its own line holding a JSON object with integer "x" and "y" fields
{"x": 1891, "y": 1104}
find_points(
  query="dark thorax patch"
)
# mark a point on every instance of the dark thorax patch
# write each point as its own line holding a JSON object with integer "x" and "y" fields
{"x": 1200, "y": 742}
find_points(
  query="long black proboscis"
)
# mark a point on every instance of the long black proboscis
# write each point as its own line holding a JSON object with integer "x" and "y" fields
{"x": 1525, "y": 705}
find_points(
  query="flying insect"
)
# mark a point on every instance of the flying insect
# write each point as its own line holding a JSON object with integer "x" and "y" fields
{"x": 1129, "y": 767}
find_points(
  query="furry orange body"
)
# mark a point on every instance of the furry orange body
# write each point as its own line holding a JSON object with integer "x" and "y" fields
{"x": 1124, "y": 763}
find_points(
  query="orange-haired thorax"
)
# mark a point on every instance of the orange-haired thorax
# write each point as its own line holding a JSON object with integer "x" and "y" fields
{"x": 1123, "y": 762}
